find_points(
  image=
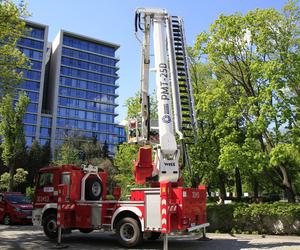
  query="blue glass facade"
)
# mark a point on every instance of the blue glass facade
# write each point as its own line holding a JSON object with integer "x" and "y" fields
{"x": 71, "y": 86}
{"x": 33, "y": 46}
{"x": 86, "y": 90}
{"x": 122, "y": 137}
{"x": 45, "y": 129}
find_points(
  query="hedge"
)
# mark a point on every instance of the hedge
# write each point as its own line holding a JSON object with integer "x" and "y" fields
{"x": 266, "y": 218}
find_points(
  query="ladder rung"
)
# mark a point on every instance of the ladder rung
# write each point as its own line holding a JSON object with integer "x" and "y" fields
{"x": 177, "y": 39}
{"x": 189, "y": 136}
{"x": 185, "y": 109}
{"x": 183, "y": 97}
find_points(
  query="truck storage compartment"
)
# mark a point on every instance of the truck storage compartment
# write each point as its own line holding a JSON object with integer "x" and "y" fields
{"x": 191, "y": 205}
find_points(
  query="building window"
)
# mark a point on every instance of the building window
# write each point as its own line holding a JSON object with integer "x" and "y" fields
{"x": 46, "y": 121}
{"x": 29, "y": 140}
{"x": 36, "y": 32}
{"x": 44, "y": 141}
{"x": 29, "y": 130}
{"x": 32, "y": 107}
{"x": 45, "y": 132}
{"x": 89, "y": 57}
{"x": 90, "y": 46}
{"x": 31, "y": 43}
{"x": 32, "y": 54}
{"x": 30, "y": 118}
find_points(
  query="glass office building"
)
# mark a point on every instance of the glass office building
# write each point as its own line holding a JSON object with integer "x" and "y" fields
{"x": 34, "y": 46}
{"x": 82, "y": 89}
{"x": 72, "y": 88}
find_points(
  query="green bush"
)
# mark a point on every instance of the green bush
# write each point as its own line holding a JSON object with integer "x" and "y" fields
{"x": 220, "y": 216}
{"x": 30, "y": 192}
{"x": 272, "y": 218}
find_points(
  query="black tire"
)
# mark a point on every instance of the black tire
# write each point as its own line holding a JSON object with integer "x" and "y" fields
{"x": 6, "y": 220}
{"x": 93, "y": 188}
{"x": 86, "y": 230}
{"x": 128, "y": 231}
{"x": 154, "y": 236}
{"x": 50, "y": 226}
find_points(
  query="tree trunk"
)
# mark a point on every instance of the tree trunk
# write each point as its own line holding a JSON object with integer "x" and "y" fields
{"x": 255, "y": 188}
{"x": 287, "y": 184}
{"x": 238, "y": 185}
{"x": 290, "y": 194}
{"x": 222, "y": 186}
{"x": 11, "y": 179}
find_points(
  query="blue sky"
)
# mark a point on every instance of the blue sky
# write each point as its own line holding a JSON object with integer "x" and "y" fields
{"x": 113, "y": 21}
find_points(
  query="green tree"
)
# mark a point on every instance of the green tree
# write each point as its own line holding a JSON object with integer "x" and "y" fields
{"x": 78, "y": 149}
{"x": 4, "y": 181}
{"x": 123, "y": 162}
{"x": 20, "y": 176}
{"x": 12, "y": 27}
{"x": 46, "y": 155}
{"x": 205, "y": 152}
{"x": 255, "y": 59}
{"x": 19, "y": 179}
{"x": 12, "y": 131}
{"x": 133, "y": 106}
{"x": 68, "y": 154}
{"x": 92, "y": 150}
{"x": 37, "y": 157}
{"x": 105, "y": 150}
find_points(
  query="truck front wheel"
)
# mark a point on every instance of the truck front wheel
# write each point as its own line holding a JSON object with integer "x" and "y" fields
{"x": 50, "y": 226}
{"x": 128, "y": 232}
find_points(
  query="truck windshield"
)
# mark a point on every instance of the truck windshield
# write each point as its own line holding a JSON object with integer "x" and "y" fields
{"x": 18, "y": 199}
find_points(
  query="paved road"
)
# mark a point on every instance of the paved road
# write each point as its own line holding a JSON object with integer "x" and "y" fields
{"x": 29, "y": 237}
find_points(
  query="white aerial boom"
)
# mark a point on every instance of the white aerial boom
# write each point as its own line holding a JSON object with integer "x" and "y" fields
{"x": 173, "y": 89}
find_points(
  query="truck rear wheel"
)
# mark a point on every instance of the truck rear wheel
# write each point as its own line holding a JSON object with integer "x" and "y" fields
{"x": 128, "y": 232}
{"x": 50, "y": 226}
{"x": 93, "y": 189}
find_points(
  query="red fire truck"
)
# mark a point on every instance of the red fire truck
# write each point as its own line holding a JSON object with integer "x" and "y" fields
{"x": 69, "y": 197}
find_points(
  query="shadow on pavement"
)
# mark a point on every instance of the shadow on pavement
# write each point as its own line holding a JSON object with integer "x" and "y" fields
{"x": 109, "y": 241}
{"x": 18, "y": 237}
